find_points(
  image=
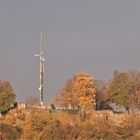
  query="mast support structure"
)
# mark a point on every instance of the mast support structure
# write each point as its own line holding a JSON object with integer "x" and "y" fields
{"x": 41, "y": 69}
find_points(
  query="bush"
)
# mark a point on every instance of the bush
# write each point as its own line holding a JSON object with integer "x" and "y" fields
{"x": 8, "y": 132}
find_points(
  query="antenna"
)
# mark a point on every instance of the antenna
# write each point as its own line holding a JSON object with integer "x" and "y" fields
{"x": 41, "y": 66}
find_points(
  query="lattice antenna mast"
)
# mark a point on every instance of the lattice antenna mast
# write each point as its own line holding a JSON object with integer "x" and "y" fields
{"x": 41, "y": 66}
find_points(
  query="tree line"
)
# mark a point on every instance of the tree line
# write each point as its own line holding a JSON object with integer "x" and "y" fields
{"x": 83, "y": 90}
{"x": 75, "y": 118}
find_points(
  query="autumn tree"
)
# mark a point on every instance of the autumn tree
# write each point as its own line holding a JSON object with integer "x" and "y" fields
{"x": 7, "y": 96}
{"x": 124, "y": 89}
{"x": 118, "y": 90}
{"x": 66, "y": 97}
{"x": 78, "y": 92}
{"x": 134, "y": 89}
{"x": 84, "y": 90}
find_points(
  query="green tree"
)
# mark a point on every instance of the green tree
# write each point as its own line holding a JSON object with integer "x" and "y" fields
{"x": 7, "y": 96}
{"x": 118, "y": 90}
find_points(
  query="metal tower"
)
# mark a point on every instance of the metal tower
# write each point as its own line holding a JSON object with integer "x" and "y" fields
{"x": 41, "y": 66}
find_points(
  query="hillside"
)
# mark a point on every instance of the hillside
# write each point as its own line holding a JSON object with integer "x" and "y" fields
{"x": 39, "y": 124}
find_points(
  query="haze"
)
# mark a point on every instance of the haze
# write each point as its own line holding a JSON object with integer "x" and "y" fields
{"x": 96, "y": 36}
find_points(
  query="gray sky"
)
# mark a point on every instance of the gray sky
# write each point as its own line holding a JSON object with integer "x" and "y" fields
{"x": 97, "y": 36}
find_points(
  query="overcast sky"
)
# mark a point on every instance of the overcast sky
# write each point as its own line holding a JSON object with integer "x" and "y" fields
{"x": 96, "y": 36}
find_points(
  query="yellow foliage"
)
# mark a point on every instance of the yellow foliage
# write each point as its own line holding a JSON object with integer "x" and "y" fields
{"x": 64, "y": 118}
{"x": 79, "y": 91}
{"x": 10, "y": 118}
{"x": 86, "y": 101}
{"x": 84, "y": 89}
